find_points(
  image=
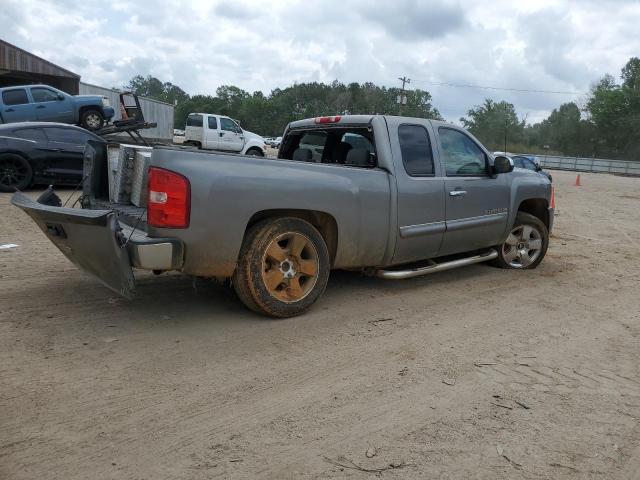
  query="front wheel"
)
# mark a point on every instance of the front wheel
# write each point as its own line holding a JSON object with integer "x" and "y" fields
{"x": 526, "y": 244}
{"x": 256, "y": 152}
{"x": 15, "y": 173}
{"x": 283, "y": 267}
{"x": 92, "y": 120}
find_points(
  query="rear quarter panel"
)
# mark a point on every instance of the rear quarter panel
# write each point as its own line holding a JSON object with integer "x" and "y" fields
{"x": 227, "y": 190}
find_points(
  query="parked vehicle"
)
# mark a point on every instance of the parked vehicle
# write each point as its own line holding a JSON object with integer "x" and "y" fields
{"x": 521, "y": 161}
{"x": 41, "y": 153}
{"x": 48, "y": 104}
{"x": 413, "y": 197}
{"x": 217, "y": 132}
{"x": 276, "y": 142}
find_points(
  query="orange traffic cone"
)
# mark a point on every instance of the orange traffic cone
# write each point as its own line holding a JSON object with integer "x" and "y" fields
{"x": 578, "y": 184}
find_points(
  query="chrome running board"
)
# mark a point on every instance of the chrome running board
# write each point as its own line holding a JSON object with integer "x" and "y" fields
{"x": 436, "y": 267}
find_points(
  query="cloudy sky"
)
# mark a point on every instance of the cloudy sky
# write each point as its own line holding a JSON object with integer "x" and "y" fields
{"x": 199, "y": 45}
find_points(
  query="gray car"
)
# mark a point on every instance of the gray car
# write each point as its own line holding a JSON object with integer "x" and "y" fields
{"x": 392, "y": 197}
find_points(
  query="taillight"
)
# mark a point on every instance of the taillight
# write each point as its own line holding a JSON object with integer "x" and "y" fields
{"x": 168, "y": 200}
{"x": 553, "y": 197}
{"x": 334, "y": 119}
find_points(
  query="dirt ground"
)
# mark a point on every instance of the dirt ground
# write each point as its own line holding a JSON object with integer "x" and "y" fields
{"x": 472, "y": 373}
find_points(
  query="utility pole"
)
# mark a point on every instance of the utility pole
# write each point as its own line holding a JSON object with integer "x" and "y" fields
{"x": 505, "y": 128}
{"x": 402, "y": 98}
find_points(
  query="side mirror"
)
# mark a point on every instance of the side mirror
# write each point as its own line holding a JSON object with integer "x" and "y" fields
{"x": 502, "y": 164}
{"x": 538, "y": 168}
{"x": 60, "y": 96}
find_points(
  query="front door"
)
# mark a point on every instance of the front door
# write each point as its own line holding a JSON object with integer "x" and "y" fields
{"x": 231, "y": 136}
{"x": 50, "y": 106}
{"x": 16, "y": 106}
{"x": 420, "y": 185}
{"x": 476, "y": 202}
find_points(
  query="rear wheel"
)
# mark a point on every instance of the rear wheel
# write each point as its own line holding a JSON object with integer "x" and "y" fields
{"x": 283, "y": 267}
{"x": 526, "y": 244}
{"x": 15, "y": 173}
{"x": 92, "y": 120}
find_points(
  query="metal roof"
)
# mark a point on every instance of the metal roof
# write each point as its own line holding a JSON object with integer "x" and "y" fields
{"x": 15, "y": 59}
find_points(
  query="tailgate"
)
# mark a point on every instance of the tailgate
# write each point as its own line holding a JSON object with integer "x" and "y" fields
{"x": 91, "y": 239}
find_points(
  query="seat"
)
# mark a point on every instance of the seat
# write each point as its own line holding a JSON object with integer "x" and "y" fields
{"x": 358, "y": 157}
{"x": 342, "y": 149}
{"x": 302, "y": 155}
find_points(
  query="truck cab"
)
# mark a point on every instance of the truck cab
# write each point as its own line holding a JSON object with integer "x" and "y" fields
{"x": 217, "y": 132}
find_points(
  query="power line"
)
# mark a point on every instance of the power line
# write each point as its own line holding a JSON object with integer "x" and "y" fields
{"x": 486, "y": 87}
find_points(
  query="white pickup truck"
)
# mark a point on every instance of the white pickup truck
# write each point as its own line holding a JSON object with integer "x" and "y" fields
{"x": 217, "y": 132}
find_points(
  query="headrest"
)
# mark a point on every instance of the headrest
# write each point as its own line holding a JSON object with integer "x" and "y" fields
{"x": 358, "y": 157}
{"x": 302, "y": 155}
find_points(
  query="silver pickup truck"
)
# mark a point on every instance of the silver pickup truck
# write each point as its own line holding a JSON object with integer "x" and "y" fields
{"x": 389, "y": 196}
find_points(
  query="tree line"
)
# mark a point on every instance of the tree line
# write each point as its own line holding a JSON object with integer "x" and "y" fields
{"x": 607, "y": 126}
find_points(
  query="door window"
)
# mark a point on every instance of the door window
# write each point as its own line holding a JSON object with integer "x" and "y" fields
{"x": 213, "y": 123}
{"x": 43, "y": 95}
{"x": 461, "y": 155}
{"x": 35, "y": 134}
{"x": 194, "y": 121}
{"x": 229, "y": 125}
{"x": 15, "y": 97}
{"x": 415, "y": 147}
{"x": 66, "y": 135}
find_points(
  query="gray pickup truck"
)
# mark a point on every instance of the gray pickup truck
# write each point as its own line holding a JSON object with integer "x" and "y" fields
{"x": 388, "y": 196}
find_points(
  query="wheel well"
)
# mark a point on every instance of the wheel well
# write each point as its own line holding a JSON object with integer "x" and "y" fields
{"x": 538, "y": 207}
{"x": 254, "y": 149}
{"x": 87, "y": 108}
{"x": 324, "y": 222}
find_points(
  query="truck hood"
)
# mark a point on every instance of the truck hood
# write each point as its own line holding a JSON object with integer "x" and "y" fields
{"x": 252, "y": 136}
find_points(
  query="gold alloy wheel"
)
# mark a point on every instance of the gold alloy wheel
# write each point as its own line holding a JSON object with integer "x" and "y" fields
{"x": 290, "y": 267}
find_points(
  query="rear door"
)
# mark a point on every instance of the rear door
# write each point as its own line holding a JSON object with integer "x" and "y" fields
{"x": 16, "y": 106}
{"x": 211, "y": 133}
{"x": 91, "y": 239}
{"x": 66, "y": 147}
{"x": 420, "y": 187}
{"x": 231, "y": 136}
{"x": 476, "y": 202}
{"x": 50, "y": 107}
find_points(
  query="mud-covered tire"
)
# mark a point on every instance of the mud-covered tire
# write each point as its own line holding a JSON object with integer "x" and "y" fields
{"x": 15, "y": 173}
{"x": 92, "y": 120}
{"x": 270, "y": 250}
{"x": 525, "y": 246}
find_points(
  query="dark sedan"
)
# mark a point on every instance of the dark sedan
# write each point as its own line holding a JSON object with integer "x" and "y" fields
{"x": 41, "y": 153}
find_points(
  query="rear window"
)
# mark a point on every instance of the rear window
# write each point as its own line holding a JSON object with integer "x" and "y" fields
{"x": 415, "y": 147}
{"x": 15, "y": 97}
{"x": 194, "y": 121}
{"x": 352, "y": 147}
{"x": 67, "y": 135}
{"x": 35, "y": 134}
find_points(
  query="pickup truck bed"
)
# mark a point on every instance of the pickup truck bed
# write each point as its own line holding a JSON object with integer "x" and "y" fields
{"x": 391, "y": 196}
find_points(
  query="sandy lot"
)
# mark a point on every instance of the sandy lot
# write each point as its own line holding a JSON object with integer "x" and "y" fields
{"x": 472, "y": 373}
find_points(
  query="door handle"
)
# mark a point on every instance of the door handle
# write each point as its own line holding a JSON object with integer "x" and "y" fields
{"x": 458, "y": 193}
{"x": 221, "y": 134}
{"x": 9, "y": 110}
{"x": 40, "y": 106}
